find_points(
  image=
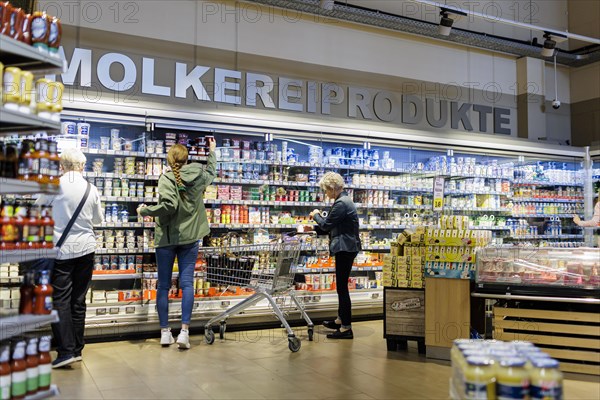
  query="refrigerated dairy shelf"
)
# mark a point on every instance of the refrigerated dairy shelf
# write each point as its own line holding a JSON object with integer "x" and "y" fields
{"x": 124, "y": 199}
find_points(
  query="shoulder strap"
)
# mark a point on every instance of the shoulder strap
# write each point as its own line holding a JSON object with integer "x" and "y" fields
{"x": 74, "y": 217}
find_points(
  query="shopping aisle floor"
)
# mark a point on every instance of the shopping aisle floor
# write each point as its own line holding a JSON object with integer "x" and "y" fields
{"x": 258, "y": 365}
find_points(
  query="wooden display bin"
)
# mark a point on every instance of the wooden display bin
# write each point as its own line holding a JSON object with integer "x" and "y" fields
{"x": 448, "y": 314}
{"x": 404, "y": 317}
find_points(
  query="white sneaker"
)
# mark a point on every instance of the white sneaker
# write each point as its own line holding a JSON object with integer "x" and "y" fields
{"x": 183, "y": 340}
{"x": 166, "y": 338}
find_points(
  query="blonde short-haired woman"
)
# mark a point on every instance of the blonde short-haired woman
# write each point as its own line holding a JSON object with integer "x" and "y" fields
{"x": 341, "y": 223}
{"x": 180, "y": 225}
{"x": 73, "y": 268}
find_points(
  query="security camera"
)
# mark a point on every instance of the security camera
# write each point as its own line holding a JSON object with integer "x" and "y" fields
{"x": 556, "y": 104}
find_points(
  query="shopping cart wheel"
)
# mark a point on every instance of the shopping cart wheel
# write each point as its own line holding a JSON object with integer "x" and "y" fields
{"x": 311, "y": 331}
{"x": 294, "y": 344}
{"x": 209, "y": 336}
{"x": 222, "y": 330}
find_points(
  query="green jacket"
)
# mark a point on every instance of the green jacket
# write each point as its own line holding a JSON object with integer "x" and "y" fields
{"x": 182, "y": 220}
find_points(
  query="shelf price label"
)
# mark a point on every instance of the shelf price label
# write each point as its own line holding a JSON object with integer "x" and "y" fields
{"x": 438, "y": 193}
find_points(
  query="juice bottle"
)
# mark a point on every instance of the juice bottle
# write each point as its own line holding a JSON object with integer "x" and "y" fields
{"x": 18, "y": 368}
{"x": 5, "y": 372}
{"x": 32, "y": 361}
{"x": 45, "y": 364}
{"x": 47, "y": 228}
{"x": 42, "y": 302}
{"x": 546, "y": 379}
{"x": 26, "y": 290}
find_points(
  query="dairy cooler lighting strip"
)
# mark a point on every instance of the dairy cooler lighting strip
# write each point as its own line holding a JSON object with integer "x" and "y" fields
{"x": 287, "y": 125}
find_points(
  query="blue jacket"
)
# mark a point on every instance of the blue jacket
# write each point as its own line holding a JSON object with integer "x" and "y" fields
{"x": 342, "y": 225}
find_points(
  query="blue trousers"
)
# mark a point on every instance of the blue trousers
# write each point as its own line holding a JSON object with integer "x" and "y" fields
{"x": 186, "y": 259}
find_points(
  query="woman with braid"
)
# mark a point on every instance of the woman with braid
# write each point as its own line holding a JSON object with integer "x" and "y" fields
{"x": 180, "y": 226}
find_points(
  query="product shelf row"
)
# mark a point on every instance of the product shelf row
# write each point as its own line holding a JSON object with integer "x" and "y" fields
{"x": 15, "y": 325}
{"x": 17, "y": 186}
{"x": 16, "y": 256}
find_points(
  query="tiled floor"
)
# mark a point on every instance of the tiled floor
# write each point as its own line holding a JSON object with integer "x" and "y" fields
{"x": 258, "y": 365}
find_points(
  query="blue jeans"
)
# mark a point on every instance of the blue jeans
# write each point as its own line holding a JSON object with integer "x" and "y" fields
{"x": 186, "y": 259}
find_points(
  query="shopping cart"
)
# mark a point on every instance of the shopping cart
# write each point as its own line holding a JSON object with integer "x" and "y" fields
{"x": 267, "y": 269}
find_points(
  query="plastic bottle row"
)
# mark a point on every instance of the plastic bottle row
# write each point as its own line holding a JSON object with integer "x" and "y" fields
{"x": 41, "y": 30}
{"x": 25, "y": 367}
{"x": 24, "y": 226}
{"x": 546, "y": 208}
{"x": 34, "y": 160}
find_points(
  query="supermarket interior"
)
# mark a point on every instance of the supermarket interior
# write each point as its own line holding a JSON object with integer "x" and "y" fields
{"x": 467, "y": 137}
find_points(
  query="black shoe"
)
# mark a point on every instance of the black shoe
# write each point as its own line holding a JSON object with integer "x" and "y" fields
{"x": 63, "y": 361}
{"x": 341, "y": 335}
{"x": 331, "y": 325}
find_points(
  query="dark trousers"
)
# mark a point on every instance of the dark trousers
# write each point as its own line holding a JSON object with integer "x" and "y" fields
{"x": 70, "y": 280}
{"x": 343, "y": 267}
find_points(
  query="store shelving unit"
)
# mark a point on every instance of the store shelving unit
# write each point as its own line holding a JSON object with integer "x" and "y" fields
{"x": 16, "y": 54}
{"x": 16, "y": 325}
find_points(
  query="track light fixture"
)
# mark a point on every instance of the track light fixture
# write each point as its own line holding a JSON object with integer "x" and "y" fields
{"x": 445, "y": 25}
{"x": 327, "y": 4}
{"x": 549, "y": 47}
{"x": 446, "y": 21}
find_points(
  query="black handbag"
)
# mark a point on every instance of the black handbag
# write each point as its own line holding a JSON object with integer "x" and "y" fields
{"x": 47, "y": 264}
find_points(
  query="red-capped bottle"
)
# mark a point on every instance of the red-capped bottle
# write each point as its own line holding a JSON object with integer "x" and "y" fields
{"x": 32, "y": 360}
{"x": 42, "y": 302}
{"x": 18, "y": 368}
{"x": 27, "y": 292}
{"x": 45, "y": 364}
{"x": 5, "y": 371}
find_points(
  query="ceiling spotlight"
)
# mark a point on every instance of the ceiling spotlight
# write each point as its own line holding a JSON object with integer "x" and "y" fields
{"x": 549, "y": 46}
{"x": 327, "y": 4}
{"x": 445, "y": 25}
{"x": 552, "y": 38}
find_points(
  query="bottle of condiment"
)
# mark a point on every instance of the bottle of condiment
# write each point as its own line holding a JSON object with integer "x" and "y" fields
{"x": 47, "y": 225}
{"x": 45, "y": 364}
{"x": 546, "y": 379}
{"x": 26, "y": 291}
{"x": 512, "y": 379}
{"x": 5, "y": 372}
{"x": 11, "y": 87}
{"x": 11, "y": 161}
{"x": 54, "y": 162}
{"x": 34, "y": 228}
{"x": 20, "y": 222}
{"x": 32, "y": 361}
{"x": 8, "y": 230}
{"x": 26, "y": 38}
{"x": 18, "y": 368}
{"x": 480, "y": 378}
{"x": 56, "y": 99}
{"x": 26, "y": 90}
{"x": 42, "y": 98}
{"x": 55, "y": 35}
{"x": 5, "y": 8}
{"x": 16, "y": 23}
{"x": 26, "y": 161}
{"x": 42, "y": 302}
{"x": 41, "y": 157}
{"x": 40, "y": 30}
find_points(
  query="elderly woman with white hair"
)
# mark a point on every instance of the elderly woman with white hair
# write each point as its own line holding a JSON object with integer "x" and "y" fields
{"x": 344, "y": 244}
{"x": 74, "y": 265}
